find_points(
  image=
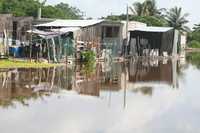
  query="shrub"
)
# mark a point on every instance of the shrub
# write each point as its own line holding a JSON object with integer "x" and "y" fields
{"x": 88, "y": 56}
{"x": 194, "y": 44}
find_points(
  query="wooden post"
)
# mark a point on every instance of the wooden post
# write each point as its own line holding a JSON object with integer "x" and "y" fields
{"x": 127, "y": 19}
{"x": 30, "y": 45}
{"x": 54, "y": 50}
{"x": 48, "y": 48}
{"x": 60, "y": 46}
{"x": 5, "y": 41}
{"x": 41, "y": 51}
{"x": 66, "y": 56}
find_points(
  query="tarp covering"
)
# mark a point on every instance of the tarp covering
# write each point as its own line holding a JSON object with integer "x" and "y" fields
{"x": 44, "y": 42}
{"x": 148, "y": 39}
{"x": 44, "y": 34}
{"x": 53, "y": 32}
{"x": 70, "y": 23}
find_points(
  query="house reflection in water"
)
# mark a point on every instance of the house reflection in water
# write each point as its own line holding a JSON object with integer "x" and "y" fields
{"x": 144, "y": 74}
{"x": 104, "y": 77}
{"x": 21, "y": 85}
{"x": 138, "y": 75}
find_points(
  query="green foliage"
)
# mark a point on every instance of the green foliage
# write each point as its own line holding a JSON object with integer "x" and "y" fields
{"x": 177, "y": 19}
{"x": 68, "y": 12}
{"x": 52, "y": 12}
{"x": 146, "y": 8}
{"x": 194, "y": 59}
{"x": 147, "y": 12}
{"x": 88, "y": 56}
{"x": 194, "y": 44}
{"x": 194, "y": 39}
{"x": 195, "y": 35}
{"x": 196, "y": 27}
{"x": 149, "y": 20}
{"x": 20, "y": 7}
{"x": 30, "y": 8}
{"x": 61, "y": 10}
{"x": 88, "y": 68}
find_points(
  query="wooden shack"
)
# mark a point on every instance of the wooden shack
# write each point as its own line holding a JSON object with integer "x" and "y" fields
{"x": 152, "y": 41}
{"x": 6, "y": 28}
{"x": 96, "y": 34}
{"x": 20, "y": 27}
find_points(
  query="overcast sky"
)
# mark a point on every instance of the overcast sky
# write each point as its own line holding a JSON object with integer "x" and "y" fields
{"x": 99, "y": 8}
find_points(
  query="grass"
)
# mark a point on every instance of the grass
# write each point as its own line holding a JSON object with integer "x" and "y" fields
{"x": 10, "y": 63}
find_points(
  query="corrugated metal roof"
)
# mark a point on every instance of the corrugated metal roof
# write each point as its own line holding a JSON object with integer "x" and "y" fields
{"x": 70, "y": 23}
{"x": 66, "y": 30}
{"x": 153, "y": 29}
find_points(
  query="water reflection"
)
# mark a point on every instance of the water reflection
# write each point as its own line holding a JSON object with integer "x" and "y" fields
{"x": 142, "y": 96}
{"x": 139, "y": 75}
{"x": 24, "y": 84}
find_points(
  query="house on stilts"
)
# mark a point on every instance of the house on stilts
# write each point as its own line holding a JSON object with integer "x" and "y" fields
{"x": 58, "y": 40}
{"x": 100, "y": 36}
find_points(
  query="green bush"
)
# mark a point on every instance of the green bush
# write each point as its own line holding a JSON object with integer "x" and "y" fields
{"x": 194, "y": 44}
{"x": 88, "y": 56}
{"x": 194, "y": 59}
{"x": 149, "y": 20}
{"x": 195, "y": 35}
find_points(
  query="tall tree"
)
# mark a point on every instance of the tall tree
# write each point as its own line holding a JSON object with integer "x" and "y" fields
{"x": 177, "y": 19}
{"x": 69, "y": 12}
{"x": 196, "y": 28}
{"x": 137, "y": 9}
{"x": 19, "y": 7}
{"x": 30, "y": 8}
{"x": 147, "y": 8}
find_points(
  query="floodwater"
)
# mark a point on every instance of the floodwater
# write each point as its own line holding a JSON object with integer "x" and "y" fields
{"x": 141, "y": 96}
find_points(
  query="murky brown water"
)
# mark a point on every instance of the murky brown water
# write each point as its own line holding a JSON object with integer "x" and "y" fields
{"x": 142, "y": 96}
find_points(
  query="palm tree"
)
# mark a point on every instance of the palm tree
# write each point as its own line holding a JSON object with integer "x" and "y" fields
{"x": 137, "y": 9}
{"x": 147, "y": 8}
{"x": 196, "y": 28}
{"x": 177, "y": 19}
{"x": 150, "y": 8}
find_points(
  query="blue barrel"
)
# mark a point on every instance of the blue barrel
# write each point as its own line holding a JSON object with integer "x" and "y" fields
{"x": 15, "y": 51}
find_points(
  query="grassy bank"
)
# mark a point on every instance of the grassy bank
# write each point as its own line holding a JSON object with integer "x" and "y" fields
{"x": 10, "y": 63}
